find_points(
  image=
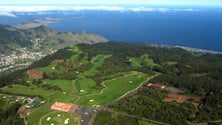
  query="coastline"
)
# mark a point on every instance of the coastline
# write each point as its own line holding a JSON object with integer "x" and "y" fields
{"x": 45, "y": 22}
{"x": 198, "y": 50}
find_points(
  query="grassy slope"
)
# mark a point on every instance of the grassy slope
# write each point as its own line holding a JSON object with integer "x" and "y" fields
{"x": 114, "y": 89}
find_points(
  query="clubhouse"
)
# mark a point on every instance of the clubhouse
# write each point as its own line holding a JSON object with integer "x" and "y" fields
{"x": 65, "y": 107}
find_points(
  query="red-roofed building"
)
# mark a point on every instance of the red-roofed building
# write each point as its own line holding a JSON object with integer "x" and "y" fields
{"x": 35, "y": 74}
{"x": 64, "y": 107}
{"x": 156, "y": 85}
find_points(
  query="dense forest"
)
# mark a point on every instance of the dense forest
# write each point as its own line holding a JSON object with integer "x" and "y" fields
{"x": 197, "y": 74}
{"x": 9, "y": 116}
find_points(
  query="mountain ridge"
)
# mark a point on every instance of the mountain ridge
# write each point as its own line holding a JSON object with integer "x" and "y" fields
{"x": 20, "y": 47}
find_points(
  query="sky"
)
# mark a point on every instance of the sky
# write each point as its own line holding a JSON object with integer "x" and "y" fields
{"x": 112, "y": 2}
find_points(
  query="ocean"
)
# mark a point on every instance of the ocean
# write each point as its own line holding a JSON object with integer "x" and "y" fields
{"x": 197, "y": 29}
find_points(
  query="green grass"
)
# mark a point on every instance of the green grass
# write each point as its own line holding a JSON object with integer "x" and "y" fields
{"x": 43, "y": 110}
{"x": 74, "y": 57}
{"x": 65, "y": 85}
{"x": 148, "y": 61}
{"x": 118, "y": 74}
{"x": 97, "y": 61}
{"x": 59, "y": 120}
{"x": 34, "y": 117}
{"x": 136, "y": 62}
{"x": 144, "y": 59}
{"x": 60, "y": 97}
{"x": 52, "y": 68}
{"x": 74, "y": 49}
{"x": 66, "y": 95}
{"x": 5, "y": 102}
{"x": 27, "y": 90}
{"x": 115, "y": 89}
{"x": 85, "y": 86}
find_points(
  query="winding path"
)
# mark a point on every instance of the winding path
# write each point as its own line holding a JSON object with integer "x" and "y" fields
{"x": 74, "y": 88}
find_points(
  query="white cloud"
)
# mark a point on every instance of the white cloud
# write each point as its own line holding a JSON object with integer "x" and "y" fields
{"x": 2, "y": 13}
{"x": 159, "y": 9}
{"x": 51, "y": 8}
{"x": 141, "y": 9}
{"x": 8, "y": 10}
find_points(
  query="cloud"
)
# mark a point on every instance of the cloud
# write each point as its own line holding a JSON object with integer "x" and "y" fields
{"x": 8, "y": 10}
{"x": 2, "y": 13}
{"x": 159, "y": 9}
{"x": 51, "y": 8}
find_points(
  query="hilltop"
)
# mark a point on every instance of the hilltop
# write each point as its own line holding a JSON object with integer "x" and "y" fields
{"x": 120, "y": 83}
{"x": 20, "y": 47}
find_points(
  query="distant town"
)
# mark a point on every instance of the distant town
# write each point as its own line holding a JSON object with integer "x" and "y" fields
{"x": 21, "y": 57}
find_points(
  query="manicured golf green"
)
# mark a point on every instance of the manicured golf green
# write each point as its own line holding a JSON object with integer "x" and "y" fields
{"x": 65, "y": 85}
{"x": 97, "y": 61}
{"x": 85, "y": 86}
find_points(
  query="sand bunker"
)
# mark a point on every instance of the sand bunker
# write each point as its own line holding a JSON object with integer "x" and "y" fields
{"x": 48, "y": 118}
{"x": 92, "y": 100}
{"x": 66, "y": 121}
{"x": 82, "y": 90}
